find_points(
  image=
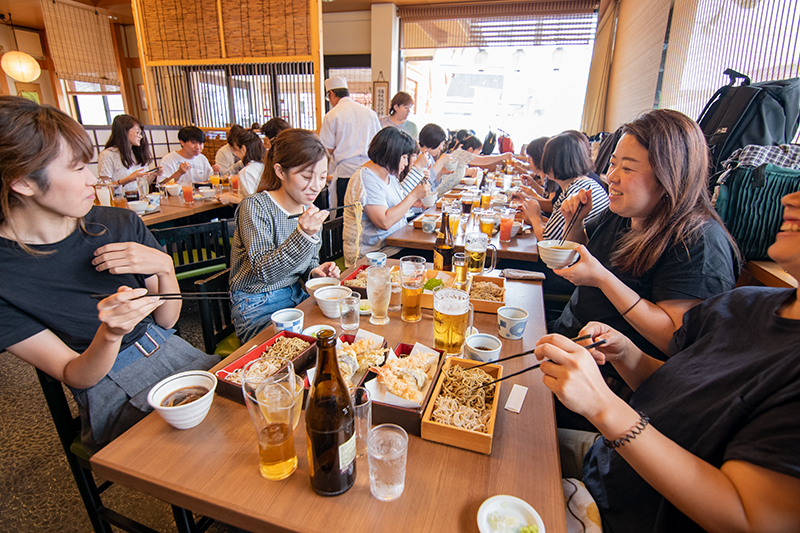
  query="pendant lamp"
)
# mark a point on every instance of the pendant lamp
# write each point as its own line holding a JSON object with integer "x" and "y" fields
{"x": 19, "y": 65}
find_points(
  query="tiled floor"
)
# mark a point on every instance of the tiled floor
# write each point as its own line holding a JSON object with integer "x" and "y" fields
{"x": 37, "y": 491}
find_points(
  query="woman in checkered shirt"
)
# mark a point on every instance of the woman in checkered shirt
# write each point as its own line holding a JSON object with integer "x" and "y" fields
{"x": 272, "y": 254}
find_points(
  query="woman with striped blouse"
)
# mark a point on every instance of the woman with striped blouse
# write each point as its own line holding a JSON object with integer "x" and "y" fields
{"x": 272, "y": 254}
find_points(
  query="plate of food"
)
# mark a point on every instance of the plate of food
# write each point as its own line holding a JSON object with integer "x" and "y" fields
{"x": 508, "y": 514}
{"x": 364, "y": 308}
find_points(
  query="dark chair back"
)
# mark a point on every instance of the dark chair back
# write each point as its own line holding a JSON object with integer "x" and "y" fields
{"x": 197, "y": 250}
{"x": 102, "y": 518}
{"x": 332, "y": 242}
{"x": 215, "y": 315}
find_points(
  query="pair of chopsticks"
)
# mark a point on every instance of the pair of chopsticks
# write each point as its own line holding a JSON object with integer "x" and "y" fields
{"x": 176, "y": 296}
{"x": 571, "y": 223}
{"x": 332, "y": 209}
{"x": 537, "y": 365}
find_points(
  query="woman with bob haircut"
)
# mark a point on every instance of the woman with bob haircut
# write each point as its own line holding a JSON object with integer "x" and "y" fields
{"x": 660, "y": 248}
{"x": 272, "y": 254}
{"x": 375, "y": 185}
{"x": 432, "y": 140}
{"x": 56, "y": 250}
{"x": 566, "y": 161}
{"x": 126, "y": 155}
{"x": 399, "y": 109}
{"x": 248, "y": 147}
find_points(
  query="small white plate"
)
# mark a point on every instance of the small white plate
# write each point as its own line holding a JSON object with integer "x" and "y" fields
{"x": 508, "y": 506}
{"x": 312, "y": 331}
{"x": 362, "y": 311}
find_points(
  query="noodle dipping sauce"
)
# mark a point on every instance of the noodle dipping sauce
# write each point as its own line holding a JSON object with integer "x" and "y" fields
{"x": 180, "y": 399}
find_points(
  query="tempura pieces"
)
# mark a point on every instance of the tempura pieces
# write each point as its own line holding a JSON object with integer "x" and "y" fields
{"x": 358, "y": 357}
{"x": 406, "y": 377}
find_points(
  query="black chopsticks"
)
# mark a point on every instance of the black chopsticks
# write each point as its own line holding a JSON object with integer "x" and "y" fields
{"x": 574, "y": 339}
{"x": 571, "y": 223}
{"x": 176, "y": 296}
{"x": 329, "y": 209}
{"x": 534, "y": 367}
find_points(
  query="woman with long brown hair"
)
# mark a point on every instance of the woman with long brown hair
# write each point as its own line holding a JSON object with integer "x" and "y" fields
{"x": 272, "y": 254}
{"x": 660, "y": 248}
{"x": 126, "y": 154}
{"x": 56, "y": 250}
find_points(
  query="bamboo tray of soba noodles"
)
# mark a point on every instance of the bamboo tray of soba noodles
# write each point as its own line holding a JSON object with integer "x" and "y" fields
{"x": 487, "y": 293}
{"x": 458, "y": 414}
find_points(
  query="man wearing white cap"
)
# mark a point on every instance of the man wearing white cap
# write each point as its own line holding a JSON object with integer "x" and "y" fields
{"x": 346, "y": 132}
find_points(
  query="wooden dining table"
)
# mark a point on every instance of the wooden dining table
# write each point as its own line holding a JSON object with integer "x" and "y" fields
{"x": 213, "y": 468}
{"x": 522, "y": 246}
{"x": 173, "y": 208}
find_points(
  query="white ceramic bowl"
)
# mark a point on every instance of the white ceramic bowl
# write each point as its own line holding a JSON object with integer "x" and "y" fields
{"x": 138, "y": 206}
{"x": 313, "y": 331}
{"x": 290, "y": 319}
{"x": 483, "y": 347}
{"x": 173, "y": 189}
{"x": 469, "y": 181}
{"x": 328, "y": 299}
{"x": 558, "y": 256}
{"x": 515, "y": 227}
{"x": 208, "y": 193}
{"x": 317, "y": 283}
{"x": 189, "y": 415}
{"x": 429, "y": 200}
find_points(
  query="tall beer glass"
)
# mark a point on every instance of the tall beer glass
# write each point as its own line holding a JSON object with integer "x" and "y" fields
{"x": 412, "y": 277}
{"x": 452, "y": 318}
{"x": 475, "y": 246}
{"x": 379, "y": 292}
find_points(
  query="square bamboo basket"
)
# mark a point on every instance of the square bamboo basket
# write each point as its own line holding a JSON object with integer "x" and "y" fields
{"x": 487, "y": 306}
{"x": 455, "y": 436}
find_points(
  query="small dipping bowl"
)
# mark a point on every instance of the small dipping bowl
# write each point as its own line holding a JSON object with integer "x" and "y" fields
{"x": 511, "y": 322}
{"x": 428, "y": 224}
{"x": 208, "y": 193}
{"x": 288, "y": 319}
{"x": 557, "y": 255}
{"x": 376, "y": 258}
{"x": 328, "y": 299}
{"x": 483, "y": 347}
{"x": 188, "y": 415}
{"x": 515, "y": 227}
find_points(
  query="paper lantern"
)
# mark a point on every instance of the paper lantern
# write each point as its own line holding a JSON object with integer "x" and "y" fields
{"x": 20, "y": 66}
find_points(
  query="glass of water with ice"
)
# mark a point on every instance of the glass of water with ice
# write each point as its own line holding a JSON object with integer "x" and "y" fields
{"x": 387, "y": 448}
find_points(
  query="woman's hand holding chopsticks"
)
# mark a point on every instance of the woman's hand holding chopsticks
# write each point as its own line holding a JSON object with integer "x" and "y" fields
{"x": 310, "y": 222}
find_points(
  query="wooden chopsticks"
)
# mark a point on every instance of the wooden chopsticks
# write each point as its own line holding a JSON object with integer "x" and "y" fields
{"x": 332, "y": 209}
{"x": 177, "y": 296}
{"x": 571, "y": 223}
{"x": 534, "y": 367}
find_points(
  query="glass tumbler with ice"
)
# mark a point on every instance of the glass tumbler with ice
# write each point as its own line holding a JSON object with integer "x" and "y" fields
{"x": 387, "y": 449}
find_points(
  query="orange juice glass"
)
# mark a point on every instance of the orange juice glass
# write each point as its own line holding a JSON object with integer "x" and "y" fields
{"x": 188, "y": 193}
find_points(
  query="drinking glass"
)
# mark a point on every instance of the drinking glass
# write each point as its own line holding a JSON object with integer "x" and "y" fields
{"x": 475, "y": 245}
{"x": 363, "y": 410}
{"x": 412, "y": 277}
{"x": 460, "y": 268}
{"x": 506, "y": 222}
{"x": 466, "y": 203}
{"x": 187, "y": 192}
{"x": 487, "y": 221}
{"x": 103, "y": 193}
{"x": 271, "y": 402}
{"x": 349, "y": 311}
{"x": 387, "y": 450}
{"x": 452, "y": 318}
{"x": 396, "y": 299}
{"x": 379, "y": 292}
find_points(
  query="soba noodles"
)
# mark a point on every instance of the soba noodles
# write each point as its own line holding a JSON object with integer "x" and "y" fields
{"x": 460, "y": 403}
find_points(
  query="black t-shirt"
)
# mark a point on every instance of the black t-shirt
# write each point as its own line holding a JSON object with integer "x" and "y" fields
{"x": 52, "y": 291}
{"x": 703, "y": 270}
{"x": 730, "y": 391}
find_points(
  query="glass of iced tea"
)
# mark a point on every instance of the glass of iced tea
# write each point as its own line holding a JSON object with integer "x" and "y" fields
{"x": 506, "y": 223}
{"x": 270, "y": 386}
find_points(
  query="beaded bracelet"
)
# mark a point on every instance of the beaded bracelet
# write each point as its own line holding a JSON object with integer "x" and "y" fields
{"x": 643, "y": 422}
{"x": 631, "y": 307}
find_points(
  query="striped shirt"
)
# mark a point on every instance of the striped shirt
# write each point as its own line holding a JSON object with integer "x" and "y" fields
{"x": 269, "y": 251}
{"x": 556, "y": 224}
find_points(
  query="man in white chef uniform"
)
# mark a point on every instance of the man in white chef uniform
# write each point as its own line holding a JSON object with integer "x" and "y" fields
{"x": 346, "y": 132}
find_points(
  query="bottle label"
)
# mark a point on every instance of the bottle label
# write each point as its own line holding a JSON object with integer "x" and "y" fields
{"x": 347, "y": 453}
{"x": 438, "y": 260}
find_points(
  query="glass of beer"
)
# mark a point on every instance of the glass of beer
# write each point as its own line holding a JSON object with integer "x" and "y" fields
{"x": 487, "y": 221}
{"x": 379, "y": 293}
{"x": 269, "y": 386}
{"x": 460, "y": 268}
{"x": 475, "y": 246}
{"x": 452, "y": 318}
{"x": 412, "y": 278}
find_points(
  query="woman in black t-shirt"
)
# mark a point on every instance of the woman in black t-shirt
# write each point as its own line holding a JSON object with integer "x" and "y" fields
{"x": 660, "y": 248}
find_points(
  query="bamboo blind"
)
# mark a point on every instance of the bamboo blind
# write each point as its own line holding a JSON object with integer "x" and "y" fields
{"x": 80, "y": 44}
{"x": 264, "y": 28}
{"x": 761, "y": 40}
{"x": 180, "y": 29}
{"x": 512, "y": 24}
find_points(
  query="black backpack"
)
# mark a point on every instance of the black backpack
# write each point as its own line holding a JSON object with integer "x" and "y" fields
{"x": 765, "y": 113}
{"x": 489, "y": 142}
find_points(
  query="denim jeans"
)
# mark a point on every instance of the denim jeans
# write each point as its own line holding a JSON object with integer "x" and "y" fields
{"x": 251, "y": 312}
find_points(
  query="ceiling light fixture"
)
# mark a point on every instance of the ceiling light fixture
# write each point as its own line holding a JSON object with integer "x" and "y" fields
{"x": 19, "y": 65}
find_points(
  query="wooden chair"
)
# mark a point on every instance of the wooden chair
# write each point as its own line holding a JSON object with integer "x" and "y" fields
{"x": 197, "y": 250}
{"x": 332, "y": 240}
{"x": 102, "y": 518}
{"x": 219, "y": 334}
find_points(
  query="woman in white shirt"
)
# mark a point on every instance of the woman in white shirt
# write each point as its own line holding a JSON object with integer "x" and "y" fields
{"x": 126, "y": 154}
{"x": 249, "y": 147}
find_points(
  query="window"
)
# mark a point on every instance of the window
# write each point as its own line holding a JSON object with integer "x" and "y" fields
{"x": 92, "y": 103}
